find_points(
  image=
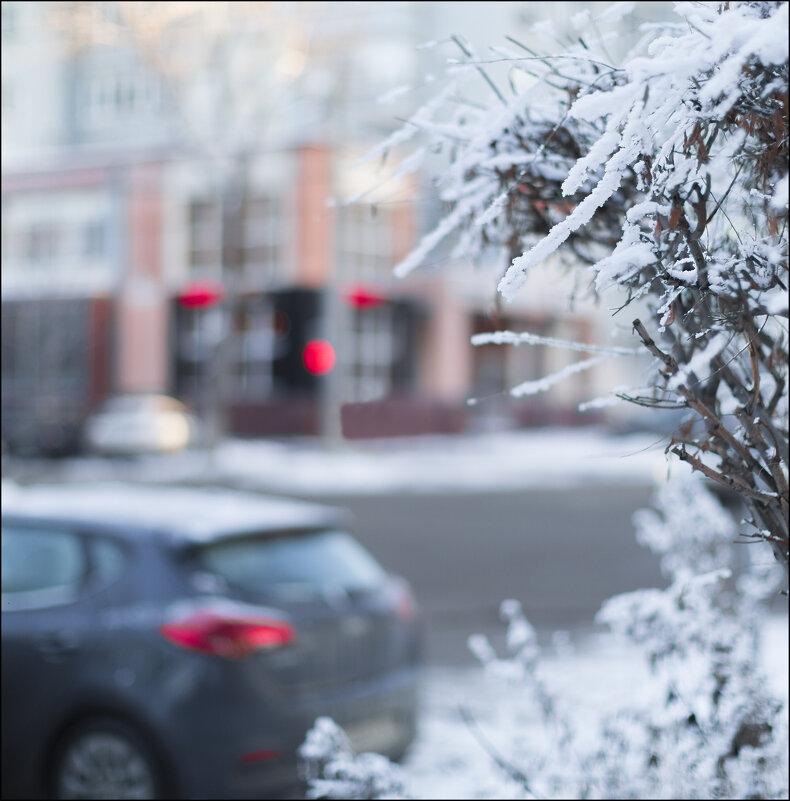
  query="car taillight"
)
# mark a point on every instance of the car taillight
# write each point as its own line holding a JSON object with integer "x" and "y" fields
{"x": 404, "y": 601}
{"x": 405, "y": 608}
{"x": 232, "y": 638}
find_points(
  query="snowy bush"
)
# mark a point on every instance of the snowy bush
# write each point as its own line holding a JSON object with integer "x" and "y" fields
{"x": 333, "y": 770}
{"x": 719, "y": 734}
{"x": 667, "y": 177}
{"x": 706, "y": 727}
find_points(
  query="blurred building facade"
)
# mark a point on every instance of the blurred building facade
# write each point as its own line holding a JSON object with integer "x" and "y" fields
{"x": 112, "y": 210}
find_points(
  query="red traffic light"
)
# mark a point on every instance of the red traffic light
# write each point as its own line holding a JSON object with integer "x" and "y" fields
{"x": 362, "y": 297}
{"x": 202, "y": 295}
{"x": 318, "y": 357}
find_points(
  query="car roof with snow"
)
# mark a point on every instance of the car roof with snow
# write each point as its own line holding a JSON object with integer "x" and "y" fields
{"x": 185, "y": 514}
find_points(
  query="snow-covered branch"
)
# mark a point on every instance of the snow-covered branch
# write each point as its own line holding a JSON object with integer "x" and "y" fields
{"x": 666, "y": 177}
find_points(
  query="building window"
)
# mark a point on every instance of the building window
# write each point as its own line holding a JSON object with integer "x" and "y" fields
{"x": 115, "y": 96}
{"x": 204, "y": 235}
{"x": 383, "y": 352}
{"x": 94, "y": 241}
{"x": 253, "y": 348}
{"x": 42, "y": 243}
{"x": 38, "y": 360}
{"x": 365, "y": 242}
{"x": 197, "y": 334}
{"x": 262, "y": 233}
{"x": 371, "y": 354}
{"x": 254, "y": 345}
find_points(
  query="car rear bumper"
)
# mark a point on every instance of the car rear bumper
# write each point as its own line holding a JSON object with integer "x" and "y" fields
{"x": 241, "y": 749}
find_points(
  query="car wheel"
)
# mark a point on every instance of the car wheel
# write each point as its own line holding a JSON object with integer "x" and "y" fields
{"x": 104, "y": 758}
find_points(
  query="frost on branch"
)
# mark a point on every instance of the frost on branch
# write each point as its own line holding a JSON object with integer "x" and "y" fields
{"x": 720, "y": 733}
{"x": 666, "y": 177}
{"x": 333, "y": 770}
{"x": 704, "y": 725}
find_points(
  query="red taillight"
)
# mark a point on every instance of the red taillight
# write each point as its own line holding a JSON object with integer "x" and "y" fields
{"x": 260, "y": 756}
{"x": 232, "y": 638}
{"x": 404, "y": 602}
{"x": 405, "y": 608}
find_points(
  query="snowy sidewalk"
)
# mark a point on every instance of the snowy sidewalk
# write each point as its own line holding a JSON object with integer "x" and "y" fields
{"x": 509, "y": 460}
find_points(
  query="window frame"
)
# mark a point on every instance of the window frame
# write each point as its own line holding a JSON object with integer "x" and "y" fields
{"x": 43, "y": 242}
{"x": 372, "y": 354}
{"x": 365, "y": 242}
{"x": 117, "y": 94}
{"x": 204, "y": 235}
{"x": 254, "y": 349}
{"x": 262, "y": 235}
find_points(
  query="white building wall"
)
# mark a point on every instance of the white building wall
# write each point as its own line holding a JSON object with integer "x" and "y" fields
{"x": 33, "y": 82}
{"x": 58, "y": 242}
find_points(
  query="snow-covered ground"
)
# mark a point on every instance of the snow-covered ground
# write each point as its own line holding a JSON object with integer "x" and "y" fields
{"x": 447, "y": 761}
{"x": 507, "y": 460}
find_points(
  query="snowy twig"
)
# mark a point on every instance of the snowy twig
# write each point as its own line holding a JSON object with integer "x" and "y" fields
{"x": 512, "y": 772}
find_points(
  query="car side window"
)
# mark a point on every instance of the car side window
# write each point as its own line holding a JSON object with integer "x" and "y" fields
{"x": 107, "y": 559}
{"x": 40, "y": 565}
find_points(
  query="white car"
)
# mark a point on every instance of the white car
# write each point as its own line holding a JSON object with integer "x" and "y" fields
{"x": 138, "y": 424}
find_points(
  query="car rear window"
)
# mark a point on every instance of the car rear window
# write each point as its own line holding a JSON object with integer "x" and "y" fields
{"x": 307, "y": 564}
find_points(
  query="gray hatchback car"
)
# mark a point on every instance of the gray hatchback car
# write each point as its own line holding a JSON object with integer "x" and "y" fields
{"x": 169, "y": 642}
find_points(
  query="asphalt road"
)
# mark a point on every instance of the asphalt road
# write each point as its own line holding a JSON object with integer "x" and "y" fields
{"x": 560, "y": 552}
